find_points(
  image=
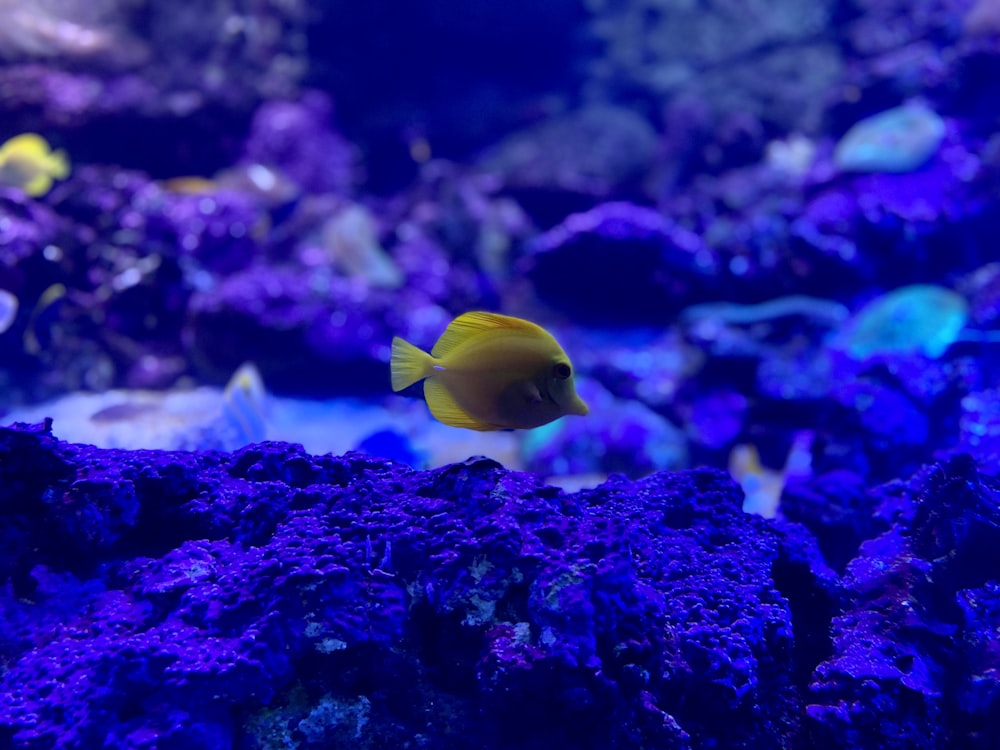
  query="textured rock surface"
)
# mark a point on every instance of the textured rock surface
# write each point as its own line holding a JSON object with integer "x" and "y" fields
{"x": 914, "y": 653}
{"x": 628, "y": 264}
{"x": 196, "y": 598}
{"x": 156, "y": 599}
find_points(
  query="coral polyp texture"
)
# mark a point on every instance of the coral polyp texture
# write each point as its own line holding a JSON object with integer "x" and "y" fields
{"x": 269, "y": 598}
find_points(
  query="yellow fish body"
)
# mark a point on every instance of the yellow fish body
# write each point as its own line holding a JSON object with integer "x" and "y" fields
{"x": 28, "y": 162}
{"x": 490, "y": 372}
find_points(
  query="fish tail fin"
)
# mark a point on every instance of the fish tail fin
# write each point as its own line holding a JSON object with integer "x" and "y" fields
{"x": 408, "y": 364}
{"x": 58, "y": 165}
{"x": 38, "y": 185}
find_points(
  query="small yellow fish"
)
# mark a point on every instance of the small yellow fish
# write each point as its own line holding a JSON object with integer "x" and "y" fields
{"x": 490, "y": 372}
{"x": 44, "y": 308}
{"x": 762, "y": 487}
{"x": 28, "y": 162}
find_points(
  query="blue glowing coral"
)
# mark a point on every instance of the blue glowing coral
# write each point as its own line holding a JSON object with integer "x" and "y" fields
{"x": 897, "y": 140}
{"x": 920, "y": 318}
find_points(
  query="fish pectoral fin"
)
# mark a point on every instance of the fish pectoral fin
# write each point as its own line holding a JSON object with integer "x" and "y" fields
{"x": 532, "y": 394}
{"x": 408, "y": 364}
{"x": 447, "y": 411}
{"x": 38, "y": 185}
{"x": 471, "y": 324}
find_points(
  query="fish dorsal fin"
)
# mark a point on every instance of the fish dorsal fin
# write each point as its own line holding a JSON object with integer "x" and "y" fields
{"x": 446, "y": 410}
{"x": 26, "y": 145}
{"x": 471, "y": 324}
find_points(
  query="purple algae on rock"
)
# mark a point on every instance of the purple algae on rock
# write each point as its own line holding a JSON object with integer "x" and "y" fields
{"x": 979, "y": 429}
{"x": 211, "y": 587}
{"x": 309, "y": 329}
{"x": 298, "y": 137}
{"x": 574, "y": 161}
{"x": 628, "y": 263}
{"x": 913, "y": 662}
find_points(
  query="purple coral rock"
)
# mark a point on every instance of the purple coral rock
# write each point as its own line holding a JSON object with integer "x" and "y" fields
{"x": 272, "y": 586}
{"x": 574, "y": 160}
{"x": 891, "y": 51}
{"x": 307, "y": 329}
{"x": 979, "y": 428}
{"x": 26, "y": 226}
{"x": 836, "y": 508}
{"x": 216, "y": 233}
{"x": 297, "y": 137}
{"x": 620, "y": 262}
{"x": 911, "y": 649}
{"x": 982, "y": 288}
{"x": 73, "y": 98}
{"x": 900, "y": 411}
{"x": 932, "y": 221}
{"x": 75, "y": 63}
{"x": 980, "y": 690}
{"x": 731, "y": 60}
{"x": 164, "y": 599}
{"x": 649, "y": 367}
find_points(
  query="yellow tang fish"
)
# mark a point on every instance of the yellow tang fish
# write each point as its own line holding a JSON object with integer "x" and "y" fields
{"x": 27, "y": 162}
{"x": 490, "y": 372}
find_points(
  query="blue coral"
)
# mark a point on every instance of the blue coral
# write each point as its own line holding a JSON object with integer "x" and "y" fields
{"x": 901, "y": 139}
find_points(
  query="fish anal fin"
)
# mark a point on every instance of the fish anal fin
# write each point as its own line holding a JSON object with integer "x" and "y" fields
{"x": 471, "y": 324}
{"x": 38, "y": 185}
{"x": 408, "y": 364}
{"x": 447, "y": 411}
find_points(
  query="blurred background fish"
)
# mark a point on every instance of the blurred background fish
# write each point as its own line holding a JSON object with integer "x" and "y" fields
{"x": 245, "y": 404}
{"x": 8, "y": 309}
{"x": 29, "y": 163}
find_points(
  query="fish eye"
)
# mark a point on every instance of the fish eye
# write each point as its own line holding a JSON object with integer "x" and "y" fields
{"x": 562, "y": 371}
